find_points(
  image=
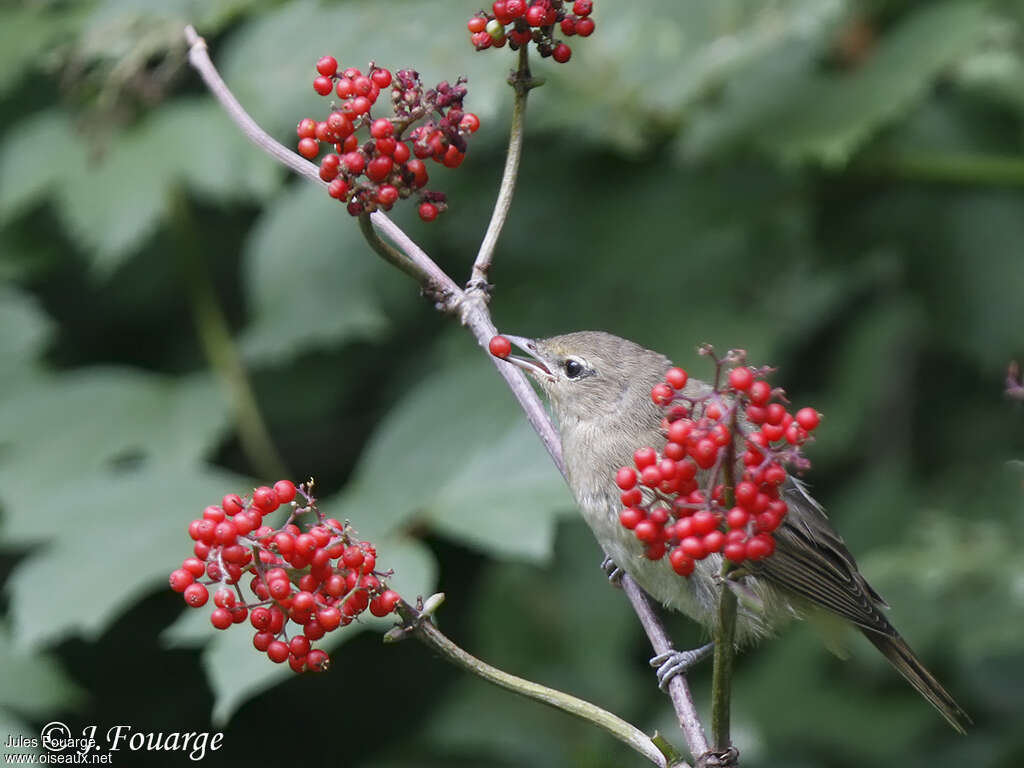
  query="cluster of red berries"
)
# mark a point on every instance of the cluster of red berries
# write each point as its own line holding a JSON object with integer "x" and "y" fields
{"x": 534, "y": 20}
{"x": 317, "y": 580}
{"x": 389, "y": 165}
{"x": 675, "y": 501}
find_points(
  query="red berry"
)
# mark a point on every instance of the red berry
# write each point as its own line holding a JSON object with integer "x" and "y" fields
{"x": 353, "y": 557}
{"x": 279, "y": 588}
{"x": 476, "y": 24}
{"x": 714, "y": 541}
{"x": 428, "y": 211}
{"x": 379, "y": 168}
{"x": 224, "y": 598}
{"x": 196, "y": 595}
{"x": 499, "y": 346}
{"x": 452, "y": 158}
{"x": 583, "y": 7}
{"x": 645, "y": 457}
{"x": 681, "y": 563}
{"x": 569, "y": 26}
{"x": 735, "y": 551}
{"x": 535, "y": 15}
{"x": 338, "y": 189}
{"x": 181, "y": 578}
{"x": 625, "y": 478}
{"x": 381, "y": 128}
{"x": 585, "y": 27}
{"x": 661, "y": 394}
{"x": 562, "y": 53}
{"x": 317, "y": 660}
{"x": 381, "y": 77}
{"x": 746, "y": 494}
{"x": 323, "y": 85}
{"x": 469, "y": 123}
{"x": 676, "y": 378}
{"x": 277, "y": 651}
{"x": 261, "y": 640}
{"x": 221, "y": 618}
{"x": 306, "y": 129}
{"x": 327, "y": 66}
{"x": 264, "y": 499}
{"x": 309, "y": 148}
{"x": 741, "y": 378}
{"x": 630, "y": 517}
{"x": 737, "y": 517}
{"x": 760, "y": 546}
{"x": 400, "y": 153}
{"x": 760, "y": 392}
{"x": 195, "y": 566}
{"x": 647, "y": 531}
{"x": 285, "y": 489}
{"x": 354, "y": 162}
{"x": 808, "y": 418}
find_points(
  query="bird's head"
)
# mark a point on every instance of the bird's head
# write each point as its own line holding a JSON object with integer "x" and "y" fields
{"x": 590, "y": 375}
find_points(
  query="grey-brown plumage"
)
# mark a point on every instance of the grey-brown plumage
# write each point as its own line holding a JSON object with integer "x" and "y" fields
{"x": 599, "y": 388}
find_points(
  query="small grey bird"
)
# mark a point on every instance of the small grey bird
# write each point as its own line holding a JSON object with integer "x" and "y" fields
{"x": 599, "y": 388}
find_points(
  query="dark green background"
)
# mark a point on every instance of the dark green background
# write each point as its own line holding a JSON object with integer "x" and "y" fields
{"x": 835, "y": 186}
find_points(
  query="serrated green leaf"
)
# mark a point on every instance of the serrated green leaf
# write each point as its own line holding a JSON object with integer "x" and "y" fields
{"x": 111, "y": 202}
{"x": 471, "y": 426}
{"x": 310, "y": 277}
{"x": 37, "y": 153}
{"x": 72, "y": 428}
{"x": 26, "y": 332}
{"x": 119, "y": 533}
{"x": 792, "y": 109}
{"x": 34, "y": 684}
{"x": 26, "y": 33}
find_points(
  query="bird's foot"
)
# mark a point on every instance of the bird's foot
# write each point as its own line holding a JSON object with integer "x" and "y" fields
{"x": 672, "y": 663}
{"x": 726, "y": 758}
{"x": 615, "y": 573}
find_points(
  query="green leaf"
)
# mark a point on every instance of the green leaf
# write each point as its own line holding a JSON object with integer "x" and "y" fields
{"x": 71, "y": 429}
{"x": 111, "y": 202}
{"x": 34, "y": 684}
{"x": 310, "y": 277}
{"x": 120, "y": 533}
{"x": 28, "y": 172}
{"x": 792, "y": 109}
{"x": 456, "y": 453}
{"x": 27, "y": 33}
{"x": 27, "y": 331}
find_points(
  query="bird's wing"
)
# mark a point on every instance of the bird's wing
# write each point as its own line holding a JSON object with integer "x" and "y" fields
{"x": 812, "y": 561}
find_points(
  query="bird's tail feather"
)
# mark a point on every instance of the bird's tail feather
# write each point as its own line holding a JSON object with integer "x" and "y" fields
{"x": 907, "y": 664}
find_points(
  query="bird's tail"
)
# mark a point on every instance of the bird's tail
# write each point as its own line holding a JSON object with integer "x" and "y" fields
{"x": 899, "y": 654}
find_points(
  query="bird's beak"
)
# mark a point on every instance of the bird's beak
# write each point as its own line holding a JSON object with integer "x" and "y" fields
{"x": 534, "y": 364}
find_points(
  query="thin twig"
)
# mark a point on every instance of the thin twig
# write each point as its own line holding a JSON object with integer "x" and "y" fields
{"x": 678, "y": 688}
{"x": 474, "y": 315}
{"x": 220, "y": 349}
{"x": 423, "y": 630}
{"x": 521, "y": 81}
{"x": 725, "y": 629}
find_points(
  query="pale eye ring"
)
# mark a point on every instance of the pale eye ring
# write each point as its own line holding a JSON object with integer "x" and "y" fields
{"x": 573, "y": 368}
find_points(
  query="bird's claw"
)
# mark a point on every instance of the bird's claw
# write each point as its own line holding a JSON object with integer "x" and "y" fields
{"x": 615, "y": 573}
{"x": 671, "y": 663}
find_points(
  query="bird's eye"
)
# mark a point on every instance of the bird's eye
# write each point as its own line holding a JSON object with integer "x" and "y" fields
{"x": 573, "y": 368}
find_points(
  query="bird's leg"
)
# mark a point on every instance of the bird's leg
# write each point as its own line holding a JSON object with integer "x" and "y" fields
{"x": 672, "y": 663}
{"x": 615, "y": 573}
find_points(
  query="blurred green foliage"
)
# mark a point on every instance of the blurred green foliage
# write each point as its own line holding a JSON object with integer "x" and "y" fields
{"x": 834, "y": 185}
